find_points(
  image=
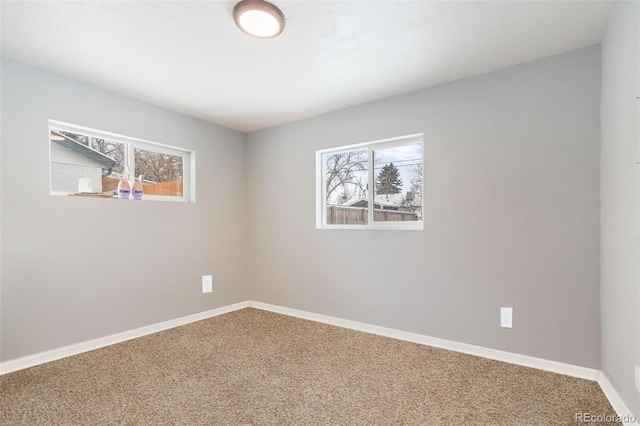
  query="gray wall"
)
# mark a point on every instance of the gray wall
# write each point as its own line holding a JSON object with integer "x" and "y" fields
{"x": 150, "y": 254}
{"x": 512, "y": 217}
{"x": 511, "y": 214}
{"x": 620, "y": 194}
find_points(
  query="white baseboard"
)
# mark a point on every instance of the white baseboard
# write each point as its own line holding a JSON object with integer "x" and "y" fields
{"x": 512, "y": 358}
{"x": 89, "y": 345}
{"x": 542, "y": 364}
{"x": 616, "y": 401}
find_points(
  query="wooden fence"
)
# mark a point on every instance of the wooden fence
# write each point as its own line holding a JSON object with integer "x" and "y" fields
{"x": 341, "y": 215}
{"x": 173, "y": 188}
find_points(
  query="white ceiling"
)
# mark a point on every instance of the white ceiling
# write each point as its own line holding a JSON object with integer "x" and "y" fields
{"x": 189, "y": 57}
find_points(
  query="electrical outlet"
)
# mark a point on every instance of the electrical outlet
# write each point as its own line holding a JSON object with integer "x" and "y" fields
{"x": 638, "y": 377}
{"x": 506, "y": 315}
{"x": 207, "y": 284}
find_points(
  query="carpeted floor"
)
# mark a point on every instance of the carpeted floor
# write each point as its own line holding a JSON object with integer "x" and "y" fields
{"x": 257, "y": 367}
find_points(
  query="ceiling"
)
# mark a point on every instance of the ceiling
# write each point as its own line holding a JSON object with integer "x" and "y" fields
{"x": 189, "y": 57}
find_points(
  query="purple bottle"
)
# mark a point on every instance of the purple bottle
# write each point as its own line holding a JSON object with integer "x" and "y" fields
{"x": 137, "y": 189}
{"x": 124, "y": 189}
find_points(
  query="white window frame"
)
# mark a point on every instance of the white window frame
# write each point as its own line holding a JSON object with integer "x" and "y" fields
{"x": 321, "y": 209}
{"x": 131, "y": 143}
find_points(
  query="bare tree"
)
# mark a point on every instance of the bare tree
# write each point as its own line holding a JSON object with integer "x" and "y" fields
{"x": 416, "y": 181}
{"x": 409, "y": 204}
{"x": 412, "y": 201}
{"x": 158, "y": 167}
{"x": 344, "y": 175}
{"x": 111, "y": 149}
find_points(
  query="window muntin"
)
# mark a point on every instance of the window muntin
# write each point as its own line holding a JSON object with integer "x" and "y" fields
{"x": 101, "y": 157}
{"x": 387, "y": 174}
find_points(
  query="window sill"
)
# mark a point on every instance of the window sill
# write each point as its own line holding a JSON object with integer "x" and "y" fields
{"x": 376, "y": 227}
{"x": 114, "y": 197}
{"x": 90, "y": 195}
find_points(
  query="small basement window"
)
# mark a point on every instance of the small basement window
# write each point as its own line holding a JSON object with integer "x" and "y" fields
{"x": 375, "y": 185}
{"x": 91, "y": 162}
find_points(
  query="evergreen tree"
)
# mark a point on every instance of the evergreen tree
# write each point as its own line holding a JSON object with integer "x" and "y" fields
{"x": 388, "y": 180}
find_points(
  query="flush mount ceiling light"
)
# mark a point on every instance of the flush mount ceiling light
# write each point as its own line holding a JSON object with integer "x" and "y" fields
{"x": 258, "y": 18}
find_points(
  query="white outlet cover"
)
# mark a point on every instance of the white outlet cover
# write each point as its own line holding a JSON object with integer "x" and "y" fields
{"x": 207, "y": 284}
{"x": 638, "y": 377}
{"x": 506, "y": 317}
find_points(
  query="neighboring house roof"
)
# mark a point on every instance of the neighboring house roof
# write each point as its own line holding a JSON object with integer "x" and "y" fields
{"x": 384, "y": 201}
{"x": 83, "y": 149}
{"x": 390, "y": 199}
{"x": 363, "y": 202}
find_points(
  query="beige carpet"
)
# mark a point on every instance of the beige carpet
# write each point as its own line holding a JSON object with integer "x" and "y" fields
{"x": 256, "y": 367}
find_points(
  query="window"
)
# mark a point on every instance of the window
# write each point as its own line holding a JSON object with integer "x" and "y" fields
{"x": 92, "y": 162}
{"x": 386, "y": 174}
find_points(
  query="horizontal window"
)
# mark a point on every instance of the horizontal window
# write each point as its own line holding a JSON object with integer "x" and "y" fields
{"x": 376, "y": 185}
{"x": 91, "y": 163}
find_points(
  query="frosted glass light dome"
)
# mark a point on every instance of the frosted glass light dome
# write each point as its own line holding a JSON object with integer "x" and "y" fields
{"x": 258, "y": 18}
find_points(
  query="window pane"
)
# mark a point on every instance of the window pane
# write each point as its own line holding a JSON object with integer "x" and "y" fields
{"x": 398, "y": 183}
{"x": 161, "y": 173}
{"x": 76, "y": 158}
{"x": 346, "y": 187}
